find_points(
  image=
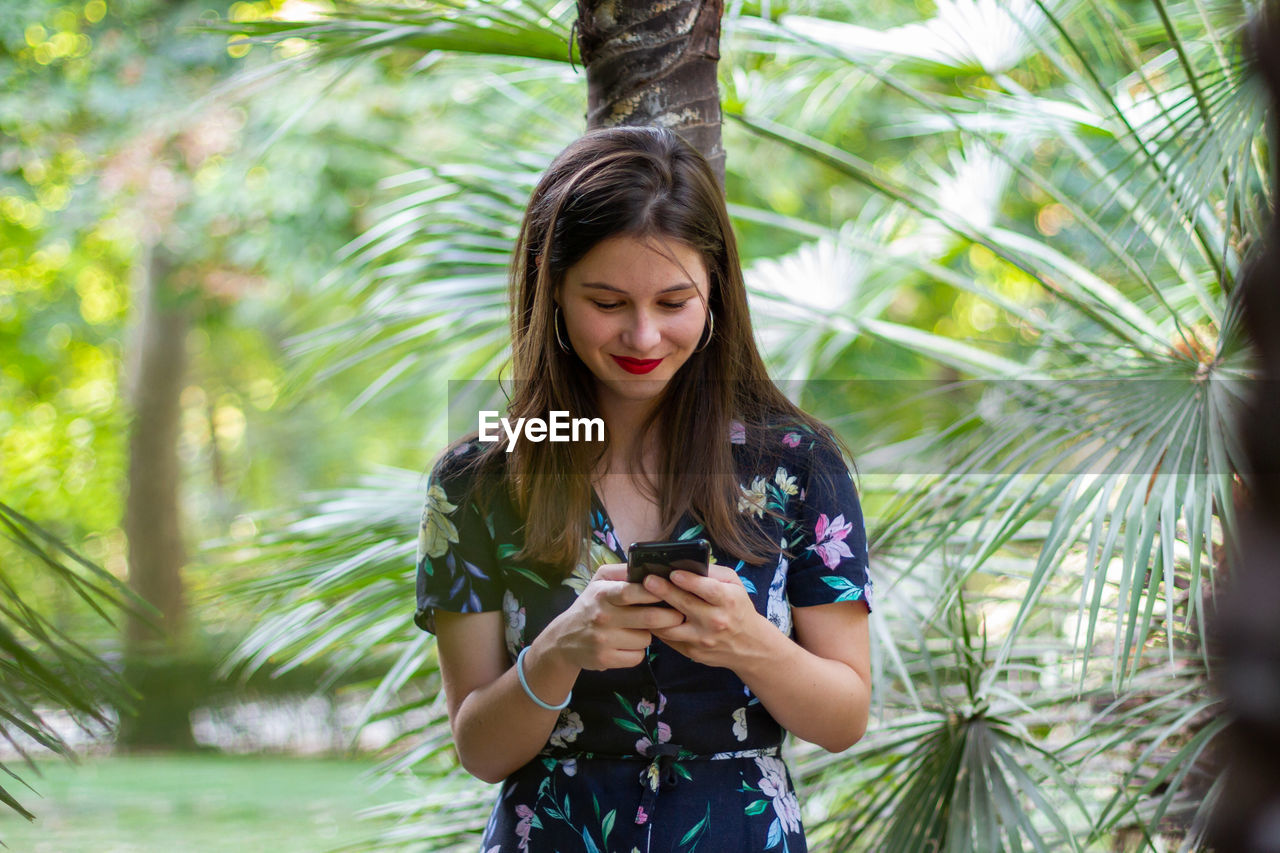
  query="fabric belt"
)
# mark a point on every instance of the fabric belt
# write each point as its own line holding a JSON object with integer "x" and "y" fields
{"x": 660, "y": 774}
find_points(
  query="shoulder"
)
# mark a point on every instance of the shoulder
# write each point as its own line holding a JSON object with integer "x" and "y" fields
{"x": 802, "y": 447}
{"x": 463, "y": 469}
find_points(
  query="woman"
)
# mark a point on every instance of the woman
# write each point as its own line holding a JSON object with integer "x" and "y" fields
{"x": 626, "y": 716}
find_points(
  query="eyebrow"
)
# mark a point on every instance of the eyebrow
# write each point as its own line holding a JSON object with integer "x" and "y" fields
{"x": 600, "y": 285}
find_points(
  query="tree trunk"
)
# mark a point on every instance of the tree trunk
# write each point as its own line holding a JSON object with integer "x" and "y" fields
{"x": 655, "y": 64}
{"x": 152, "y": 520}
{"x": 1247, "y": 624}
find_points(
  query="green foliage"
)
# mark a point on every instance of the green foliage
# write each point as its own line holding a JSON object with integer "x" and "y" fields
{"x": 1034, "y": 211}
{"x": 44, "y": 665}
{"x": 1052, "y": 199}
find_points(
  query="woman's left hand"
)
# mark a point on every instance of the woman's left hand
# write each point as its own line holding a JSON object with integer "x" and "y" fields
{"x": 721, "y": 627}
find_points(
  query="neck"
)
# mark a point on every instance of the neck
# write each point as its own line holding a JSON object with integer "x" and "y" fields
{"x": 623, "y": 419}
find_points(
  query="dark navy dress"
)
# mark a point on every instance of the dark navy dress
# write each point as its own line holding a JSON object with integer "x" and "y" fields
{"x": 669, "y": 755}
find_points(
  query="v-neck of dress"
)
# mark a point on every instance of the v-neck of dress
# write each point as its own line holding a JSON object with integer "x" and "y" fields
{"x": 683, "y": 524}
{"x": 597, "y": 503}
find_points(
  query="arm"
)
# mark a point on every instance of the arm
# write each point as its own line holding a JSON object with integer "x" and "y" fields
{"x": 817, "y": 686}
{"x": 496, "y": 727}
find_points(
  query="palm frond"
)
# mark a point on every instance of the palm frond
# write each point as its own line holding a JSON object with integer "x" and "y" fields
{"x": 43, "y": 666}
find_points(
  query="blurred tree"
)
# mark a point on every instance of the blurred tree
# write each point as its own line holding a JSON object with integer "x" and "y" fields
{"x": 152, "y": 235}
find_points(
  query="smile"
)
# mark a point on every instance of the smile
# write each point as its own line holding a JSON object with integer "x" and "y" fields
{"x": 637, "y": 365}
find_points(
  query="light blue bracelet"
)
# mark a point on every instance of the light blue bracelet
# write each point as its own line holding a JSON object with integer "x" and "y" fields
{"x": 529, "y": 693}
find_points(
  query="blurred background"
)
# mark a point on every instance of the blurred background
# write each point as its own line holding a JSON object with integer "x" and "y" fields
{"x": 245, "y": 247}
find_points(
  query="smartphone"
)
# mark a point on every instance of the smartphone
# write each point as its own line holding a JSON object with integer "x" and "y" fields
{"x": 661, "y": 558}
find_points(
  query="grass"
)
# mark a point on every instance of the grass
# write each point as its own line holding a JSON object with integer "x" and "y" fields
{"x": 141, "y": 804}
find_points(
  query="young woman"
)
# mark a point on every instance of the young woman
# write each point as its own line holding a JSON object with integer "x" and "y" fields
{"x": 626, "y": 716}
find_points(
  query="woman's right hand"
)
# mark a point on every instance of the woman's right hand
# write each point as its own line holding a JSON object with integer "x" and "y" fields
{"x": 610, "y": 624}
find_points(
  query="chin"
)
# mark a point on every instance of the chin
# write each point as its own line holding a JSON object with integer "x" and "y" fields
{"x": 637, "y": 390}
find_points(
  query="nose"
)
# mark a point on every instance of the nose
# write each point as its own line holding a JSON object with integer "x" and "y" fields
{"x": 643, "y": 333}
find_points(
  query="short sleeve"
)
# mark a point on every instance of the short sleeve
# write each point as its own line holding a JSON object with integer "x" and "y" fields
{"x": 829, "y": 559}
{"x": 457, "y": 564}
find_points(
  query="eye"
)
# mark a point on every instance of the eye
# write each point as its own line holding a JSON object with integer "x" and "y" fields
{"x": 674, "y": 306}
{"x": 605, "y": 306}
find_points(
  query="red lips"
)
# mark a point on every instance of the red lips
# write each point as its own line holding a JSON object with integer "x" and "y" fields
{"x": 637, "y": 365}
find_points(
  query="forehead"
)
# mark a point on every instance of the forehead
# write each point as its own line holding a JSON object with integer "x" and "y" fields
{"x": 639, "y": 263}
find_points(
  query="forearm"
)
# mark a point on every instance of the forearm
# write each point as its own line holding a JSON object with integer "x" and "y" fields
{"x": 820, "y": 700}
{"x": 498, "y": 728}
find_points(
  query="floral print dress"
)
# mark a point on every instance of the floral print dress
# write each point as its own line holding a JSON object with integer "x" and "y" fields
{"x": 669, "y": 755}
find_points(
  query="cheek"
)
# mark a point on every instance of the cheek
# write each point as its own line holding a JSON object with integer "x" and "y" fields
{"x": 689, "y": 330}
{"x": 580, "y": 329}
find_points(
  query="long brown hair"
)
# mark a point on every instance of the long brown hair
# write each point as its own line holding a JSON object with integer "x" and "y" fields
{"x": 641, "y": 182}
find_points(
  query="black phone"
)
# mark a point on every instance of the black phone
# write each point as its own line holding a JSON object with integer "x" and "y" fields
{"x": 661, "y": 558}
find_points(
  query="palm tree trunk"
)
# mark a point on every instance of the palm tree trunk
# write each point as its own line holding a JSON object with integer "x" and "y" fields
{"x": 152, "y": 522}
{"x": 1248, "y": 619}
{"x": 651, "y": 63}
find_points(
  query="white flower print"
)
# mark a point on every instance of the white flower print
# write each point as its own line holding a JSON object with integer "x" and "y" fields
{"x": 570, "y": 767}
{"x": 568, "y": 727}
{"x": 785, "y": 482}
{"x": 773, "y": 784}
{"x": 596, "y": 555}
{"x": 740, "y": 724}
{"x": 436, "y": 531}
{"x": 778, "y": 609}
{"x": 752, "y": 500}
{"x": 515, "y": 619}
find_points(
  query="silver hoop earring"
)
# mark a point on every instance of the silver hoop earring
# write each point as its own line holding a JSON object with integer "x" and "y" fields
{"x": 555, "y": 323}
{"x": 711, "y": 330}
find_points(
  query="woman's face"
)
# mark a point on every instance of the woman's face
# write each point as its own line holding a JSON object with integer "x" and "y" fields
{"x": 635, "y": 310}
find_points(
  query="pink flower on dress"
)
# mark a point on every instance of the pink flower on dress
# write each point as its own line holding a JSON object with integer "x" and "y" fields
{"x": 664, "y": 735}
{"x": 791, "y": 439}
{"x": 609, "y": 540}
{"x": 829, "y": 536}
{"x": 641, "y": 817}
{"x": 525, "y": 826}
{"x": 645, "y": 708}
{"x": 737, "y": 432}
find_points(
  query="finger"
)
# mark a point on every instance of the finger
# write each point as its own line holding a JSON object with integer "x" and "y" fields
{"x": 686, "y": 602}
{"x": 724, "y": 574}
{"x": 658, "y": 618}
{"x": 678, "y": 637}
{"x": 611, "y": 572}
{"x": 646, "y": 617}
{"x": 708, "y": 589}
{"x": 631, "y": 639}
{"x": 625, "y": 594}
